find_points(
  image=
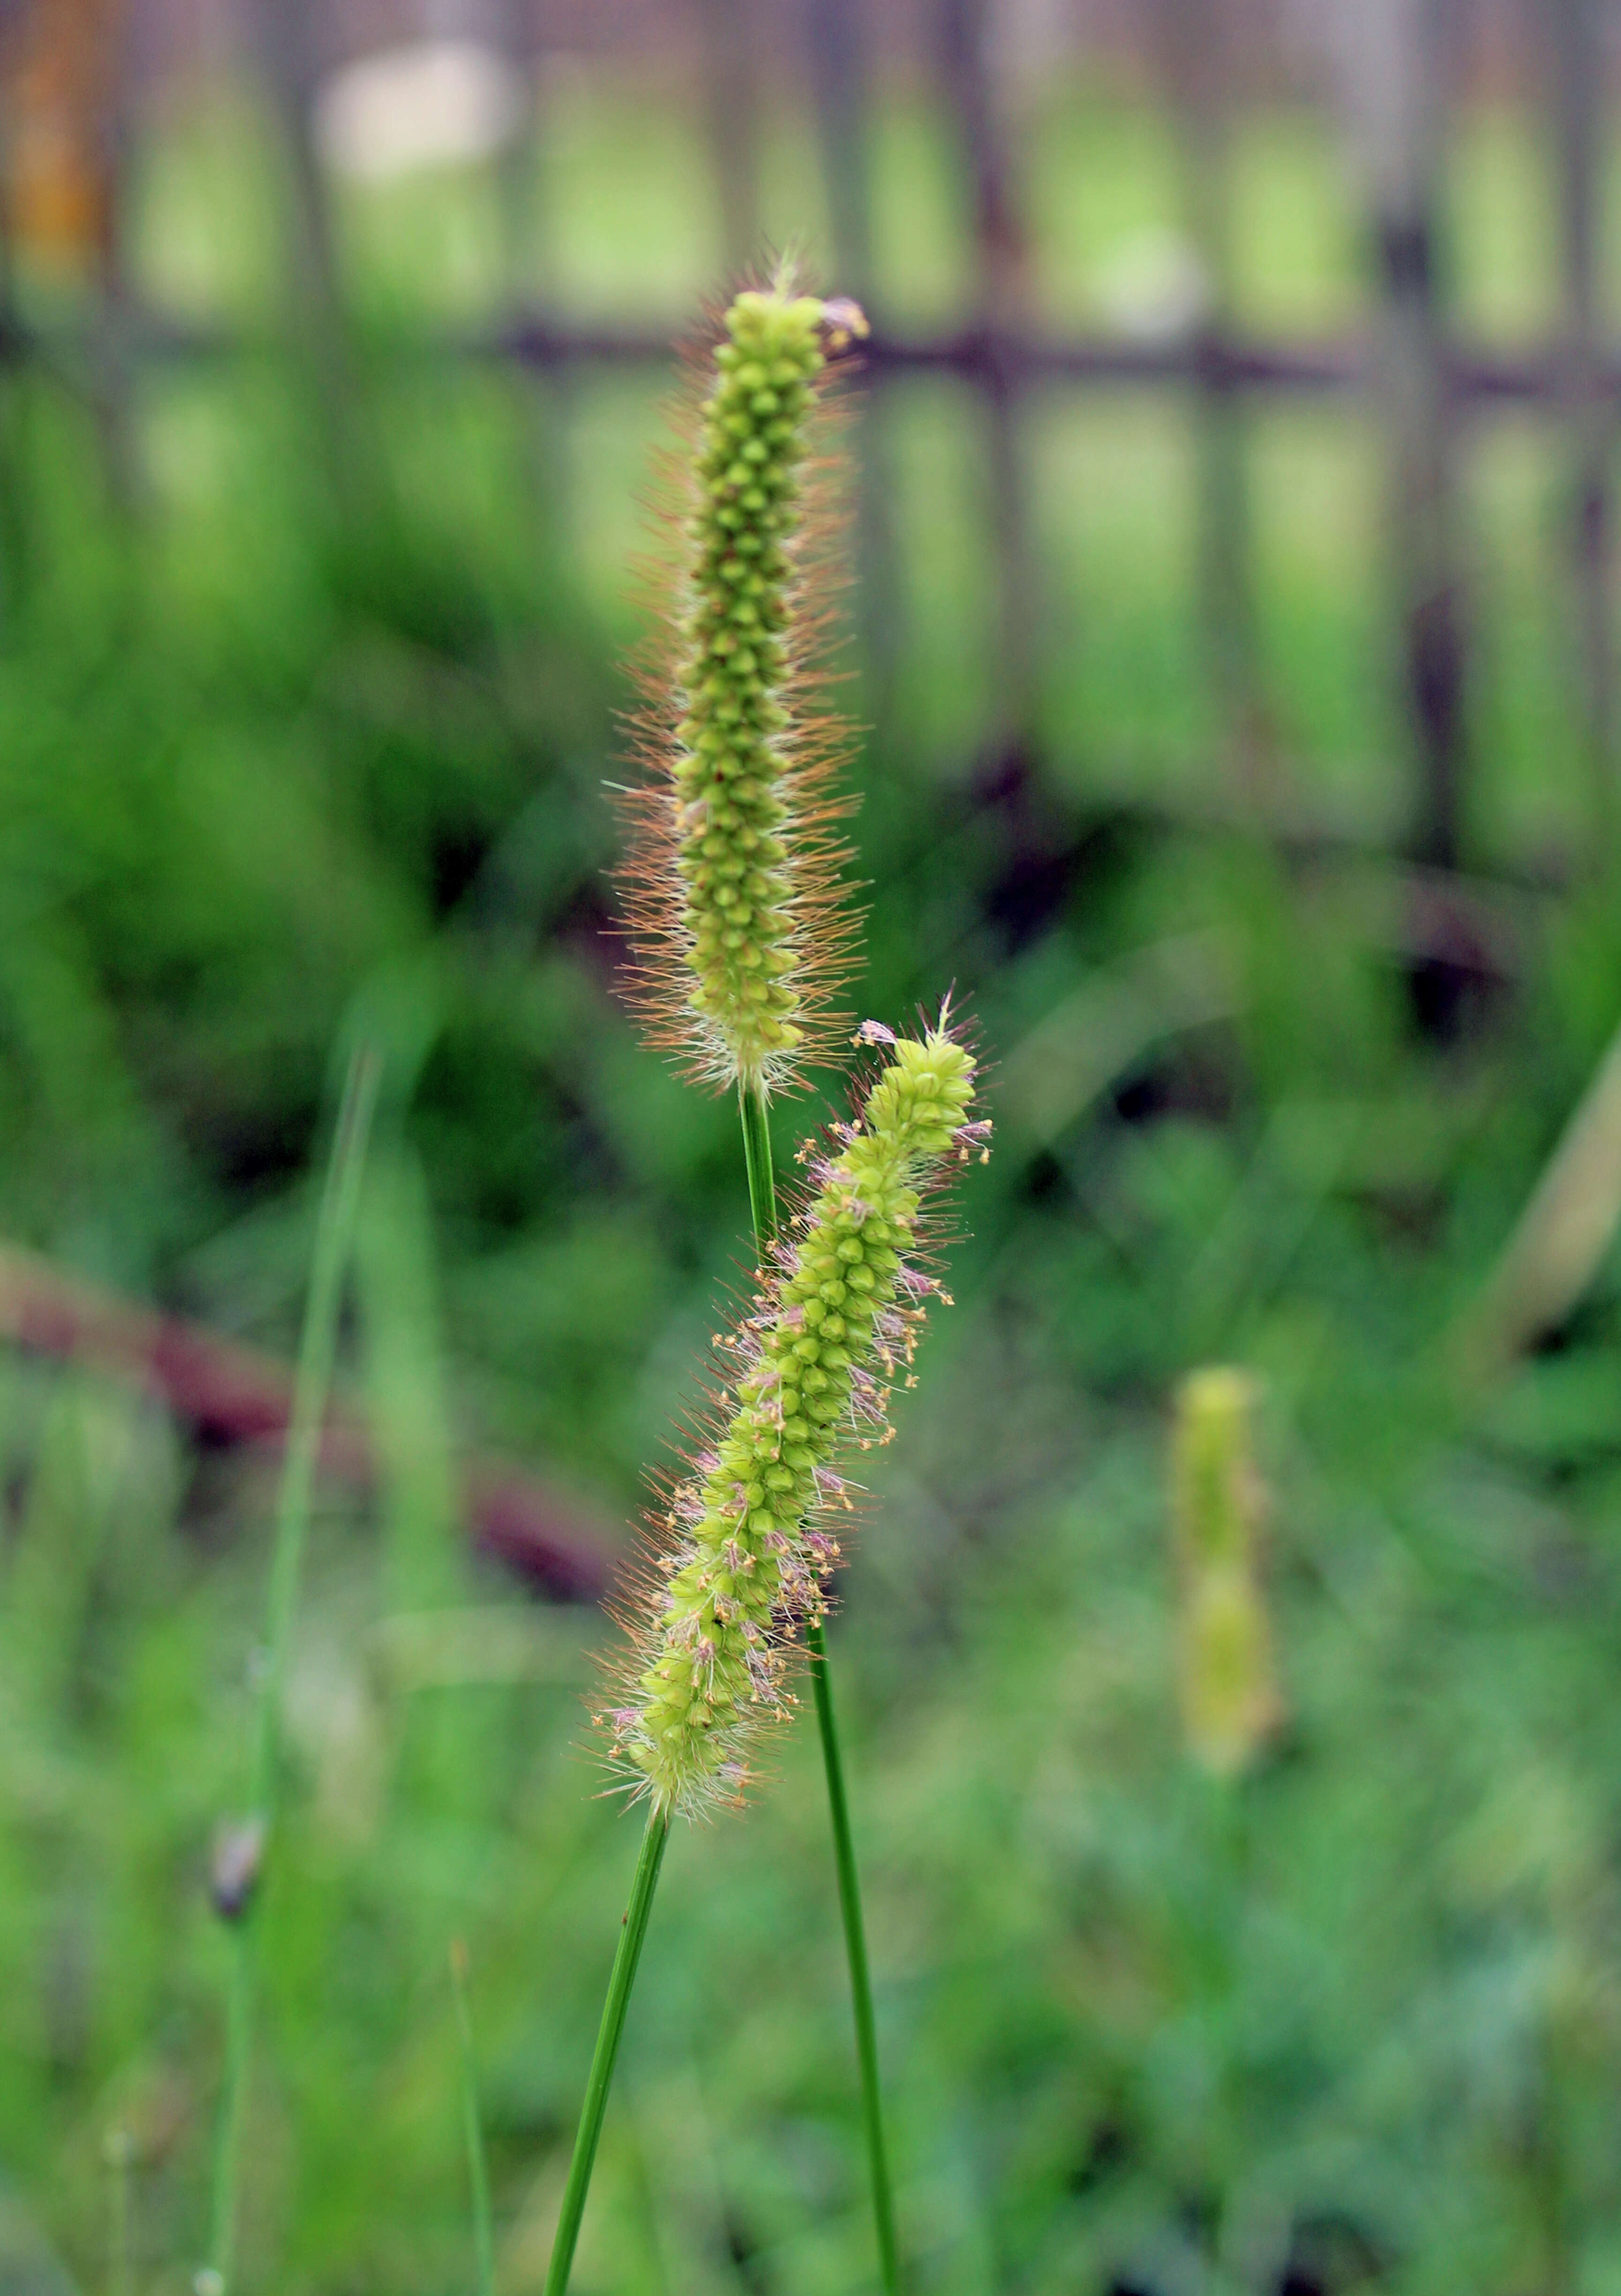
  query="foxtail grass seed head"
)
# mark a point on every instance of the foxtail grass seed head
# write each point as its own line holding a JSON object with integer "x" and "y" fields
{"x": 1230, "y": 1699}
{"x": 831, "y": 1332}
{"x": 733, "y": 875}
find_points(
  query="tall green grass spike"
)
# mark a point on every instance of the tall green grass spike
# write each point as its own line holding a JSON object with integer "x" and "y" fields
{"x": 830, "y": 1332}
{"x": 734, "y": 899}
{"x": 1228, "y": 1687}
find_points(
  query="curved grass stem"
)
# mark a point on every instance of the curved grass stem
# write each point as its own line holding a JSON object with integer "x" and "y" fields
{"x": 762, "y": 1201}
{"x": 855, "y": 1952}
{"x": 631, "y": 1935}
{"x": 312, "y": 1383}
{"x": 473, "y": 2129}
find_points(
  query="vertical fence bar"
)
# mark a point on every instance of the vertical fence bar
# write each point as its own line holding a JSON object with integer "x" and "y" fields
{"x": 835, "y": 41}
{"x": 285, "y": 35}
{"x": 110, "y": 127}
{"x": 838, "y": 79}
{"x": 731, "y": 91}
{"x": 1195, "y": 38}
{"x": 515, "y": 33}
{"x": 543, "y": 400}
{"x": 15, "y": 522}
{"x": 1575, "y": 50}
{"x": 1392, "y": 48}
{"x": 966, "y": 29}
{"x": 287, "y": 50}
{"x": 69, "y": 89}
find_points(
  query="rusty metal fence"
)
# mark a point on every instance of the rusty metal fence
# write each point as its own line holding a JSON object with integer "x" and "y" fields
{"x": 1389, "y": 64}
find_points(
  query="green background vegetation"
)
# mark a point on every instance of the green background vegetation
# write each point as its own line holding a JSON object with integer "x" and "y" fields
{"x": 274, "y": 752}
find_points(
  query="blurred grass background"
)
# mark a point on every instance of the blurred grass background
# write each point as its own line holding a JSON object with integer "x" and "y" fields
{"x": 275, "y": 754}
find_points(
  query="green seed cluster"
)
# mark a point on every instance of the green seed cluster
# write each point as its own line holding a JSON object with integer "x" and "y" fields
{"x": 1228, "y": 1686}
{"x": 832, "y": 1331}
{"x": 733, "y": 859}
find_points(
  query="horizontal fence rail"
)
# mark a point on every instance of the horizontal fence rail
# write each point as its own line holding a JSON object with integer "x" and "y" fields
{"x": 1537, "y": 375}
{"x": 1386, "y": 73}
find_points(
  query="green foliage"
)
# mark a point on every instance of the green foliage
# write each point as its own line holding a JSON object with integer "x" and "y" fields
{"x": 1351, "y": 2021}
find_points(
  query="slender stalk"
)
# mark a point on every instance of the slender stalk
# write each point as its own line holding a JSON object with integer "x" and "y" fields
{"x": 478, "y": 2170}
{"x": 855, "y": 1950}
{"x": 762, "y": 1199}
{"x": 312, "y": 1382}
{"x": 120, "y": 2164}
{"x": 757, "y": 1156}
{"x": 632, "y": 1934}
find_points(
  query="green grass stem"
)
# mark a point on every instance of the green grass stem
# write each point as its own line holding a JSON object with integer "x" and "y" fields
{"x": 478, "y": 2167}
{"x": 312, "y": 1384}
{"x": 757, "y": 1156}
{"x": 762, "y": 1199}
{"x": 855, "y": 1952}
{"x": 120, "y": 2153}
{"x": 632, "y": 1934}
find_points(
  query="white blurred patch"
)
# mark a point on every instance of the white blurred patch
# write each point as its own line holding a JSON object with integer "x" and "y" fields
{"x": 1154, "y": 287}
{"x": 430, "y": 104}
